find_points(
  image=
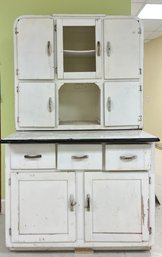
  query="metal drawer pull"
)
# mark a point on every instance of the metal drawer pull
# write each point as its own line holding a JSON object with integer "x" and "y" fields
{"x": 98, "y": 48}
{"x": 108, "y": 48}
{"x": 72, "y": 203}
{"x": 88, "y": 202}
{"x": 128, "y": 157}
{"x": 79, "y": 157}
{"x": 50, "y": 104}
{"x": 109, "y": 104}
{"x": 32, "y": 156}
{"x": 49, "y": 49}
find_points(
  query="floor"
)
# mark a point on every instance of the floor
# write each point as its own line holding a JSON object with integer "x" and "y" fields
{"x": 156, "y": 249}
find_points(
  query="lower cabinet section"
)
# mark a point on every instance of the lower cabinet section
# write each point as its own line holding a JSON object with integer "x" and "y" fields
{"x": 60, "y": 209}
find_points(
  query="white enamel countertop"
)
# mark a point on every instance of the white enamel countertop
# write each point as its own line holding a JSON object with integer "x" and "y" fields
{"x": 82, "y": 136}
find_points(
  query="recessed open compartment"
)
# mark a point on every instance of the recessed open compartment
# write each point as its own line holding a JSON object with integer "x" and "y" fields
{"x": 79, "y": 104}
{"x": 79, "y": 52}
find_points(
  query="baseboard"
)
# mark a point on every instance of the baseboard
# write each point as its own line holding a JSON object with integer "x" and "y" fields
{"x": 2, "y": 206}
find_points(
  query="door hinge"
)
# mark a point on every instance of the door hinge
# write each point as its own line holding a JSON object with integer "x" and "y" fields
{"x": 17, "y": 89}
{"x": 140, "y": 118}
{"x": 140, "y": 88}
{"x": 17, "y": 72}
{"x": 140, "y": 71}
{"x": 150, "y": 230}
{"x": 55, "y": 27}
{"x": 10, "y": 231}
{"x": 16, "y": 31}
{"x": 9, "y": 181}
{"x": 18, "y": 119}
{"x": 56, "y": 70}
{"x": 139, "y": 30}
{"x": 149, "y": 180}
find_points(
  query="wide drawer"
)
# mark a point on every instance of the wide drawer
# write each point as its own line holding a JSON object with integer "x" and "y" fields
{"x": 32, "y": 156}
{"x": 128, "y": 157}
{"x": 79, "y": 157}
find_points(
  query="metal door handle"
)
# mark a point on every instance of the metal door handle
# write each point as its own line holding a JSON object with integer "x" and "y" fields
{"x": 128, "y": 157}
{"x": 98, "y": 48}
{"x": 79, "y": 157}
{"x": 88, "y": 204}
{"x": 109, "y": 104}
{"x": 49, "y": 48}
{"x": 108, "y": 48}
{"x": 27, "y": 156}
{"x": 50, "y": 104}
{"x": 72, "y": 203}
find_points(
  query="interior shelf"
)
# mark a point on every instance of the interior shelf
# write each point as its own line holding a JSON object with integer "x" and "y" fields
{"x": 79, "y": 52}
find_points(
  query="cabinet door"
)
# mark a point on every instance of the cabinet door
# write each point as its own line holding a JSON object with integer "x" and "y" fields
{"x": 117, "y": 207}
{"x": 79, "y": 50}
{"x": 122, "y": 102}
{"x": 34, "y": 48}
{"x": 36, "y": 105}
{"x": 40, "y": 207}
{"x": 122, "y": 48}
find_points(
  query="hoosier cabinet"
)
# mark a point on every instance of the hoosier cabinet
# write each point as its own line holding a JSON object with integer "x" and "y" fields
{"x": 79, "y": 169}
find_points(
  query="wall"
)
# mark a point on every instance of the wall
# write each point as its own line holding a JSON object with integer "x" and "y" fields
{"x": 153, "y": 87}
{"x": 9, "y": 10}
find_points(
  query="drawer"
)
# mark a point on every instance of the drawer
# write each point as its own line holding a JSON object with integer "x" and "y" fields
{"x": 32, "y": 156}
{"x": 79, "y": 157}
{"x": 128, "y": 157}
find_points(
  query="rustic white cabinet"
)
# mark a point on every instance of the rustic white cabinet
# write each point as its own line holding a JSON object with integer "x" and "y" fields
{"x": 79, "y": 169}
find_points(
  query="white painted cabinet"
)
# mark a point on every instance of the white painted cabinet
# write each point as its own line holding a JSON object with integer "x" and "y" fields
{"x": 88, "y": 184}
{"x": 42, "y": 207}
{"x": 117, "y": 207}
{"x": 34, "y": 48}
{"x": 122, "y": 48}
{"x": 122, "y": 104}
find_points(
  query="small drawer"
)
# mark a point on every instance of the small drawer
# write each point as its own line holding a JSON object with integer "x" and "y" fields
{"x": 79, "y": 157}
{"x": 32, "y": 156}
{"x": 128, "y": 157}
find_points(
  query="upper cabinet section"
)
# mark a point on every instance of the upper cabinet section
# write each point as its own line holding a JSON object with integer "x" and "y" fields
{"x": 79, "y": 48}
{"x": 34, "y": 48}
{"x": 79, "y": 72}
{"x": 122, "y": 48}
{"x": 86, "y": 47}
